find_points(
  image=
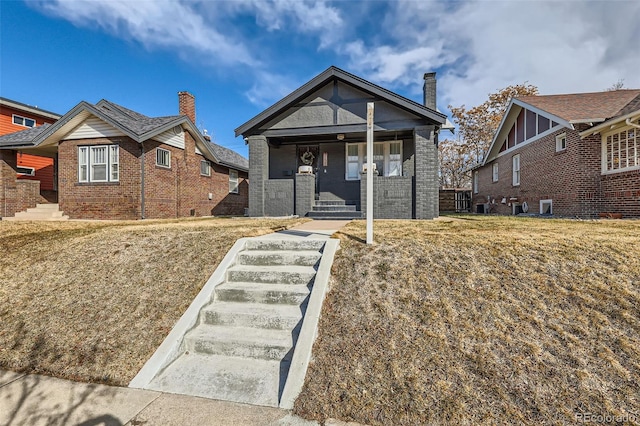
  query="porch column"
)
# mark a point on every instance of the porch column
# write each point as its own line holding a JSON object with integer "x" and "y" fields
{"x": 426, "y": 172}
{"x": 305, "y": 193}
{"x": 8, "y": 190}
{"x": 258, "y": 173}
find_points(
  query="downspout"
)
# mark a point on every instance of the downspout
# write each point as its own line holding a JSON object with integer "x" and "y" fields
{"x": 142, "y": 180}
{"x": 628, "y": 121}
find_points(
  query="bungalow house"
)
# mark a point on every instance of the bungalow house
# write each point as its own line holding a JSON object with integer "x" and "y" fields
{"x": 16, "y": 116}
{"x": 307, "y": 151}
{"x": 115, "y": 163}
{"x": 573, "y": 155}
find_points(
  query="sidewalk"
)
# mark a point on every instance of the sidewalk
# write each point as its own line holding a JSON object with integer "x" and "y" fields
{"x": 41, "y": 400}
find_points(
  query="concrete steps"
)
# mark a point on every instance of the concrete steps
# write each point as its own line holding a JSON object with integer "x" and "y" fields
{"x": 46, "y": 212}
{"x": 243, "y": 342}
{"x": 334, "y": 210}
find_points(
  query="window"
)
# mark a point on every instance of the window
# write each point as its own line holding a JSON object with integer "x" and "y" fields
{"x": 546, "y": 206}
{"x": 205, "y": 168}
{"x": 99, "y": 163}
{"x": 163, "y": 157}
{"x": 23, "y": 121}
{"x": 233, "y": 181}
{"x": 561, "y": 142}
{"x": 621, "y": 151}
{"x": 26, "y": 171}
{"x": 495, "y": 172}
{"x": 387, "y": 157}
{"x": 475, "y": 182}
{"x": 516, "y": 170}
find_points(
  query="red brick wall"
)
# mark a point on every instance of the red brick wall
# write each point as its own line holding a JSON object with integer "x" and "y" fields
{"x": 169, "y": 192}
{"x": 108, "y": 200}
{"x": 571, "y": 178}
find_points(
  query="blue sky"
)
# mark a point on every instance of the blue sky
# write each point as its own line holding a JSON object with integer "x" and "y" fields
{"x": 238, "y": 57}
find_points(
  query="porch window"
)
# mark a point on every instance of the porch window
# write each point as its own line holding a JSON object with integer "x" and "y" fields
{"x": 387, "y": 157}
{"x": 233, "y": 181}
{"x": 621, "y": 151}
{"x": 100, "y": 163}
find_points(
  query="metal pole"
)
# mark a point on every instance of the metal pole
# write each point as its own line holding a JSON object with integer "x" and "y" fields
{"x": 369, "y": 172}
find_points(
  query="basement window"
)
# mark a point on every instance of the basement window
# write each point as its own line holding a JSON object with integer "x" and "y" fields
{"x": 546, "y": 207}
{"x": 26, "y": 171}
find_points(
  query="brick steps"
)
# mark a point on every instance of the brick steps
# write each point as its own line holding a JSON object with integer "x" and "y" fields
{"x": 334, "y": 210}
{"x": 42, "y": 212}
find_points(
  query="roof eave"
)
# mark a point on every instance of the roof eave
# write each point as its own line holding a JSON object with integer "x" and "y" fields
{"x": 28, "y": 108}
{"x": 606, "y": 125}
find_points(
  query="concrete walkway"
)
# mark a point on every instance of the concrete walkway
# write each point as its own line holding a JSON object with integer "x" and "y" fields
{"x": 40, "y": 400}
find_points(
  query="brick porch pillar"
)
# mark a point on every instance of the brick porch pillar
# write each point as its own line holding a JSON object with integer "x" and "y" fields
{"x": 426, "y": 172}
{"x": 8, "y": 189}
{"x": 258, "y": 173}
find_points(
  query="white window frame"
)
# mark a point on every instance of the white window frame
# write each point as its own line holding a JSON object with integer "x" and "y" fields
{"x": 26, "y": 171}
{"x": 495, "y": 172}
{"x": 234, "y": 182}
{"x": 362, "y": 154}
{"x": 559, "y": 142}
{"x": 163, "y": 158}
{"x": 516, "y": 170}
{"x": 543, "y": 202}
{"x": 22, "y": 121}
{"x": 631, "y": 149}
{"x": 85, "y": 162}
{"x": 475, "y": 182}
{"x": 207, "y": 168}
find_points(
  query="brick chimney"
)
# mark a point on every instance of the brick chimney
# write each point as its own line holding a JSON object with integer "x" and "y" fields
{"x": 187, "y": 105}
{"x": 429, "y": 90}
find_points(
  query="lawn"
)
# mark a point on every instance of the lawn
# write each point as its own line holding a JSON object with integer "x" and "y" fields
{"x": 480, "y": 320}
{"x": 91, "y": 301}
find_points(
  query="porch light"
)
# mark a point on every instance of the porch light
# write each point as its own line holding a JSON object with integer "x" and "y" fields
{"x": 340, "y": 136}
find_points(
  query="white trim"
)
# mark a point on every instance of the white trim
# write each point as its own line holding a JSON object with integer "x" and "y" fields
{"x": 234, "y": 182}
{"x": 475, "y": 182}
{"x": 495, "y": 172}
{"x": 514, "y": 181}
{"x": 630, "y": 152}
{"x": 168, "y": 158}
{"x": 559, "y": 138}
{"x": 543, "y": 202}
{"x": 208, "y": 171}
{"x": 24, "y": 120}
{"x": 611, "y": 124}
{"x": 85, "y": 158}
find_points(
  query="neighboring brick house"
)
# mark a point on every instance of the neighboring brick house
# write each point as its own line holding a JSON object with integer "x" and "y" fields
{"x": 574, "y": 155}
{"x": 115, "y": 163}
{"x": 307, "y": 152}
{"x": 16, "y": 116}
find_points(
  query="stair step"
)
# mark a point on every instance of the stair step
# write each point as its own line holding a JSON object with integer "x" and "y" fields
{"x": 282, "y": 274}
{"x": 280, "y": 257}
{"x": 335, "y": 215}
{"x": 330, "y": 202}
{"x": 287, "y": 245}
{"x": 39, "y": 212}
{"x": 253, "y": 381}
{"x": 287, "y": 294}
{"x": 48, "y": 206}
{"x": 246, "y": 342}
{"x": 342, "y": 208}
{"x": 258, "y": 315}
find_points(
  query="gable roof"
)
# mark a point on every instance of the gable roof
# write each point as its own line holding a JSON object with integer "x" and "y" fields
{"x": 137, "y": 126}
{"x": 336, "y": 73}
{"x": 570, "y": 109}
{"x": 583, "y": 107}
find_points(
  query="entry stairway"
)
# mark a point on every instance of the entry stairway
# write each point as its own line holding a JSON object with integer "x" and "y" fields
{"x": 334, "y": 210}
{"x": 242, "y": 345}
{"x": 40, "y": 212}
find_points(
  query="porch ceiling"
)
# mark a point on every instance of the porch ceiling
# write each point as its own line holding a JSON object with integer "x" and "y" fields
{"x": 42, "y": 151}
{"x": 333, "y": 137}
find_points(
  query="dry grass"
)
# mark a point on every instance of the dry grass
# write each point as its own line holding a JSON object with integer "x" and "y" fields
{"x": 480, "y": 320}
{"x": 91, "y": 301}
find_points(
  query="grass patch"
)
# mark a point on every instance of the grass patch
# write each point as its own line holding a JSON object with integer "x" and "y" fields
{"x": 92, "y": 301}
{"x": 475, "y": 320}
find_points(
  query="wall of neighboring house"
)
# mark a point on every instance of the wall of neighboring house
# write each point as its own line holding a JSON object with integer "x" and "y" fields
{"x": 176, "y": 191}
{"x": 43, "y": 165}
{"x": 569, "y": 177}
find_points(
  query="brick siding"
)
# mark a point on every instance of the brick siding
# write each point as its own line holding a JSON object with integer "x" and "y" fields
{"x": 571, "y": 178}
